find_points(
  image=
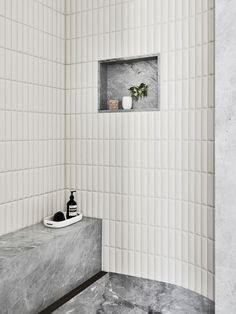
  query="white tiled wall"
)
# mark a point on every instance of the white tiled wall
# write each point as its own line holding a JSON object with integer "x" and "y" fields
{"x": 149, "y": 175}
{"x": 32, "y": 110}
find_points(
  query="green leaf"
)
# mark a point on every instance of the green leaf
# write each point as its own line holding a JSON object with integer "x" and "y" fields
{"x": 139, "y": 91}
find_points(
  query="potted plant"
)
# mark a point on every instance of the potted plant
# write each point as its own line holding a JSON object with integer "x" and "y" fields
{"x": 138, "y": 91}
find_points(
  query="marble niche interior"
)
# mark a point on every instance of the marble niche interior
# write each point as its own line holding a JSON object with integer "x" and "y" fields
{"x": 117, "y": 76}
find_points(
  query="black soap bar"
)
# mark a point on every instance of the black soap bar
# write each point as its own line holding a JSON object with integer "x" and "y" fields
{"x": 59, "y": 216}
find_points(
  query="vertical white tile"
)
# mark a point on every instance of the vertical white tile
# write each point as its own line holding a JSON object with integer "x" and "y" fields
{"x": 178, "y": 167}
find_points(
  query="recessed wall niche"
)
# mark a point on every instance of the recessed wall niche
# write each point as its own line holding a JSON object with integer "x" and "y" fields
{"x": 116, "y": 76}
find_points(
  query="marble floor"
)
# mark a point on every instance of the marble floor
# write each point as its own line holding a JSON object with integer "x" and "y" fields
{"x": 121, "y": 294}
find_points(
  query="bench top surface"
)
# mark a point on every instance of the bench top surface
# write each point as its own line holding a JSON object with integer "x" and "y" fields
{"x": 26, "y": 239}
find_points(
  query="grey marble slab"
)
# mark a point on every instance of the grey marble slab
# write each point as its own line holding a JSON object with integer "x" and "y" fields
{"x": 39, "y": 265}
{"x": 117, "y": 76}
{"x": 116, "y": 294}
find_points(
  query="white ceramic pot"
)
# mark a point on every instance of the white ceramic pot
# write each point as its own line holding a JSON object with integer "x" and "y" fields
{"x": 127, "y": 102}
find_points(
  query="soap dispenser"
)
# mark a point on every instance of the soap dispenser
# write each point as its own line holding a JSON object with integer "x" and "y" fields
{"x": 71, "y": 207}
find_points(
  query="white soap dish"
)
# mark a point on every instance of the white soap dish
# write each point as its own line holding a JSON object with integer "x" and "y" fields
{"x": 48, "y": 221}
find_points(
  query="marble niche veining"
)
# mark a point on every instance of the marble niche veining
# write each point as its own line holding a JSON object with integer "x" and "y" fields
{"x": 117, "y": 76}
{"x": 39, "y": 265}
{"x": 121, "y": 294}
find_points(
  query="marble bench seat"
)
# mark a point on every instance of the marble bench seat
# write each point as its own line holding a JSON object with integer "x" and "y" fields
{"x": 39, "y": 265}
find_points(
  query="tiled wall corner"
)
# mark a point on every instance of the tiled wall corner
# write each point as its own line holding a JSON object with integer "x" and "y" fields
{"x": 150, "y": 176}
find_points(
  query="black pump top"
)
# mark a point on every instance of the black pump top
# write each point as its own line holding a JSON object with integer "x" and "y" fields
{"x": 72, "y": 196}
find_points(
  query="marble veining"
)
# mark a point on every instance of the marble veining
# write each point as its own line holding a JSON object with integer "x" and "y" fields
{"x": 12, "y": 244}
{"x": 39, "y": 265}
{"x": 121, "y": 294}
{"x": 116, "y": 77}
